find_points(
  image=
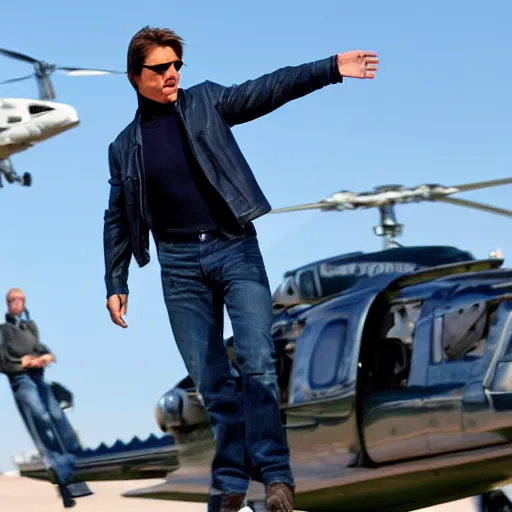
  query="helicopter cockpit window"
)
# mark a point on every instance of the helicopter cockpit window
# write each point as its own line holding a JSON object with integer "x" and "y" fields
{"x": 461, "y": 334}
{"x": 13, "y": 119}
{"x": 38, "y": 109}
{"x": 327, "y": 354}
{"x": 405, "y": 317}
{"x": 388, "y": 347}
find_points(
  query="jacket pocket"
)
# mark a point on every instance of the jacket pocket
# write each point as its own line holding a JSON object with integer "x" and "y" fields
{"x": 130, "y": 189}
{"x": 233, "y": 190}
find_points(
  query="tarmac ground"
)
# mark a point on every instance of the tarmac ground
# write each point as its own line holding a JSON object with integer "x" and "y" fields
{"x": 18, "y": 494}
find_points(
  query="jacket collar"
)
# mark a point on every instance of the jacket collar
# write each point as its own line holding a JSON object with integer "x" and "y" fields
{"x": 18, "y": 320}
{"x": 135, "y": 133}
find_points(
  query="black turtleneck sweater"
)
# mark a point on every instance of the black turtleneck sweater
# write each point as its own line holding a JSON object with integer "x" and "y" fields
{"x": 180, "y": 197}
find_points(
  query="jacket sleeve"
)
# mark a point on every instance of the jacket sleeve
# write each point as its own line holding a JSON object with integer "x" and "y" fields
{"x": 8, "y": 364}
{"x": 255, "y": 98}
{"x": 116, "y": 238}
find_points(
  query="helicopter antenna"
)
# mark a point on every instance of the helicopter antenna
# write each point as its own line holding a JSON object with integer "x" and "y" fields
{"x": 386, "y": 197}
{"x": 43, "y": 71}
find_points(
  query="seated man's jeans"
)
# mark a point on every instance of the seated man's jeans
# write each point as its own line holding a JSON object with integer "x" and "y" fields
{"x": 46, "y": 422}
{"x": 198, "y": 278}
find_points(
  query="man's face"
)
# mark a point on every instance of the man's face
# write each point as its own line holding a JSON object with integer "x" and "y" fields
{"x": 160, "y": 86}
{"x": 15, "y": 302}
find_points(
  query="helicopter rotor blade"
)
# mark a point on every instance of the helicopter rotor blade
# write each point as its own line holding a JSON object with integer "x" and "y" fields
{"x": 308, "y": 206}
{"x": 476, "y": 206}
{"x": 17, "y": 55}
{"x": 483, "y": 184}
{"x": 87, "y": 72}
{"x": 19, "y": 79}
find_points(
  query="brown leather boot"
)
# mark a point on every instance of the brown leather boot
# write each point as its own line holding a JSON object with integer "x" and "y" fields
{"x": 279, "y": 498}
{"x": 233, "y": 502}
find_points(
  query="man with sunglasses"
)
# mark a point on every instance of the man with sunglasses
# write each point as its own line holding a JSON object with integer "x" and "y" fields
{"x": 176, "y": 171}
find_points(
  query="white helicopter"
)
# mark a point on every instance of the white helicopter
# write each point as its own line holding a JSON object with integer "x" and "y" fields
{"x": 26, "y": 122}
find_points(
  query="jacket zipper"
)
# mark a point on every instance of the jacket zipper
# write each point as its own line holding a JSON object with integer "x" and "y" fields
{"x": 182, "y": 117}
{"x": 141, "y": 183}
{"x": 142, "y": 193}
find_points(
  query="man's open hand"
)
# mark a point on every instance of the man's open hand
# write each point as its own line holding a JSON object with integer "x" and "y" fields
{"x": 31, "y": 361}
{"x": 358, "y": 64}
{"x": 116, "y": 305}
{"x": 28, "y": 361}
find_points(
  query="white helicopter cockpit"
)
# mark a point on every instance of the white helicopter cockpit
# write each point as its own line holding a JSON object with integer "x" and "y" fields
{"x": 26, "y": 122}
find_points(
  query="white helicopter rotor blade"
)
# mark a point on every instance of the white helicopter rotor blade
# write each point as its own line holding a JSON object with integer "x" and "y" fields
{"x": 395, "y": 195}
{"x": 88, "y": 72}
{"x": 483, "y": 184}
{"x": 308, "y": 206}
{"x": 476, "y": 206}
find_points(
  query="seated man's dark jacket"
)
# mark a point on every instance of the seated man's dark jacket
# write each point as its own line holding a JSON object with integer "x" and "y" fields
{"x": 208, "y": 111}
{"x": 17, "y": 341}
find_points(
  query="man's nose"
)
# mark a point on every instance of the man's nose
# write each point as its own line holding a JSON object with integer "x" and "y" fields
{"x": 170, "y": 73}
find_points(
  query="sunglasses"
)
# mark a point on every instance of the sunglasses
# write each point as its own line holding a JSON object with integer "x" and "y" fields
{"x": 15, "y": 299}
{"x": 162, "y": 68}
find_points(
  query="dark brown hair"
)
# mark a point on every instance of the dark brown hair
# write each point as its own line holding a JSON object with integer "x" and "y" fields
{"x": 145, "y": 39}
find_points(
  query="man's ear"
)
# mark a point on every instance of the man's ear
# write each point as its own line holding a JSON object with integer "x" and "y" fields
{"x": 135, "y": 80}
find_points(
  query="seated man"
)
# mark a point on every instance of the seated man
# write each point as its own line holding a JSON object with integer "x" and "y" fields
{"x": 23, "y": 358}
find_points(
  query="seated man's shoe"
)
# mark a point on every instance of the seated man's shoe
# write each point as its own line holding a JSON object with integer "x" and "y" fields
{"x": 79, "y": 489}
{"x": 67, "y": 499}
{"x": 65, "y": 494}
{"x": 279, "y": 498}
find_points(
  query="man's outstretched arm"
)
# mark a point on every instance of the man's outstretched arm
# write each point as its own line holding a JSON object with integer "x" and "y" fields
{"x": 255, "y": 98}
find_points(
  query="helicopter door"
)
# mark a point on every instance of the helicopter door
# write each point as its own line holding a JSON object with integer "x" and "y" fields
{"x": 498, "y": 374}
{"x": 460, "y": 356}
{"x": 392, "y": 382}
{"x": 320, "y": 417}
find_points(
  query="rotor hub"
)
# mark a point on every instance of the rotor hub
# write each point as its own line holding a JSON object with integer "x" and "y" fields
{"x": 43, "y": 71}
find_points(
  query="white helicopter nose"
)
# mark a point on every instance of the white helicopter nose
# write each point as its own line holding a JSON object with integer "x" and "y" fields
{"x": 70, "y": 114}
{"x": 61, "y": 117}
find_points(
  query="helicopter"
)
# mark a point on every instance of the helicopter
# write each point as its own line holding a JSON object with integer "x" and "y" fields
{"x": 27, "y": 122}
{"x": 395, "y": 378}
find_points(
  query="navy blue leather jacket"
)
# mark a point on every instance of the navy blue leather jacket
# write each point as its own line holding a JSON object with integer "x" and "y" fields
{"x": 208, "y": 110}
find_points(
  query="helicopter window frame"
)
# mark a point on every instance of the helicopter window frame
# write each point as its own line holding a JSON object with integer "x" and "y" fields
{"x": 438, "y": 355}
{"x": 323, "y": 362}
{"x": 35, "y": 109}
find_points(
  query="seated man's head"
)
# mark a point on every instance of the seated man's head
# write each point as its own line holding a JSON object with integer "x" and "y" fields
{"x": 15, "y": 301}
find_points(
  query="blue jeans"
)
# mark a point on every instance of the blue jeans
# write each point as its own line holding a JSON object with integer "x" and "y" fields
{"x": 198, "y": 278}
{"x": 46, "y": 422}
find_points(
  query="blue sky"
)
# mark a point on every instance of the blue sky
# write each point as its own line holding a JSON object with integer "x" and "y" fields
{"x": 438, "y": 112}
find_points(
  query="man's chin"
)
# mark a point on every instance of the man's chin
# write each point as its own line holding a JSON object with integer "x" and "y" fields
{"x": 172, "y": 96}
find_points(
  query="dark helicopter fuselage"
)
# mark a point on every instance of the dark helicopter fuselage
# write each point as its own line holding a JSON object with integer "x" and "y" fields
{"x": 386, "y": 380}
